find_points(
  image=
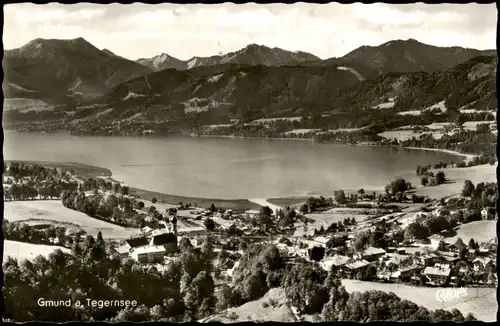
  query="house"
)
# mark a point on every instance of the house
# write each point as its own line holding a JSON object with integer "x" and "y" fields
{"x": 123, "y": 251}
{"x": 350, "y": 269}
{"x": 252, "y": 213}
{"x": 322, "y": 240}
{"x": 167, "y": 240}
{"x": 438, "y": 274}
{"x": 407, "y": 272}
{"x": 426, "y": 259}
{"x": 149, "y": 254}
{"x": 386, "y": 276}
{"x": 135, "y": 242}
{"x": 372, "y": 253}
{"x": 337, "y": 261}
{"x": 391, "y": 249}
{"x": 481, "y": 263}
{"x": 447, "y": 258}
{"x": 462, "y": 271}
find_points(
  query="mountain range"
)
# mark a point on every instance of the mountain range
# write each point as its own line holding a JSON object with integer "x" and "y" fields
{"x": 63, "y": 70}
{"x": 257, "y": 76}
{"x": 252, "y": 54}
{"x": 253, "y": 92}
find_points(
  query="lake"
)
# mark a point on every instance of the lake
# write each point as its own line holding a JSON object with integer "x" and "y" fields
{"x": 223, "y": 167}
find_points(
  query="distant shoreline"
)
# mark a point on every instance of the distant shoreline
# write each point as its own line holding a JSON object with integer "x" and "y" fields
{"x": 468, "y": 157}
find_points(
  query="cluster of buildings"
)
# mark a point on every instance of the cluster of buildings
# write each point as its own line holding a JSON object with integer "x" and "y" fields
{"x": 149, "y": 249}
{"x": 437, "y": 268}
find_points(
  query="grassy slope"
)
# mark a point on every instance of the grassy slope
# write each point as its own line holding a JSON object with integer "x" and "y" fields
{"x": 53, "y": 212}
{"x": 481, "y": 231}
{"x": 255, "y": 311}
{"x": 234, "y": 204}
{"x": 484, "y": 306}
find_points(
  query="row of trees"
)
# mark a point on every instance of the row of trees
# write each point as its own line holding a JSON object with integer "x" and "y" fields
{"x": 25, "y": 233}
{"x": 481, "y": 195}
{"x": 96, "y": 184}
{"x": 119, "y": 210}
{"x": 429, "y": 179}
{"x": 34, "y": 172}
{"x": 464, "y": 141}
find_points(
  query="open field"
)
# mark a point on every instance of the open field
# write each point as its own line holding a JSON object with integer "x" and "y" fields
{"x": 481, "y": 231}
{"x": 287, "y": 201}
{"x": 268, "y": 120}
{"x": 234, "y": 204}
{"x": 258, "y": 311}
{"x": 457, "y": 176}
{"x": 412, "y": 112}
{"x": 53, "y": 212}
{"x": 407, "y": 134}
{"x": 300, "y": 131}
{"x": 472, "y": 125}
{"x": 23, "y": 250}
{"x": 25, "y": 104}
{"x": 479, "y": 301}
{"x": 329, "y": 218}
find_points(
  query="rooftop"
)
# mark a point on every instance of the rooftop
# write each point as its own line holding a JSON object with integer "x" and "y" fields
{"x": 164, "y": 238}
{"x": 122, "y": 249}
{"x": 149, "y": 249}
{"x": 374, "y": 251}
{"x": 439, "y": 271}
{"x": 137, "y": 242}
{"x": 358, "y": 264}
{"x": 334, "y": 261}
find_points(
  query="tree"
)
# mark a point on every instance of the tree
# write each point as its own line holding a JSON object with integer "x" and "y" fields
{"x": 124, "y": 190}
{"x": 340, "y": 197}
{"x": 209, "y": 224}
{"x": 361, "y": 241}
{"x": 333, "y": 309}
{"x": 468, "y": 189}
{"x": 265, "y": 210}
{"x": 185, "y": 244}
{"x": 266, "y": 222}
{"x": 304, "y": 209}
{"x": 154, "y": 200}
{"x": 361, "y": 192}
{"x": 417, "y": 231}
{"x": 242, "y": 245}
{"x": 398, "y": 185}
{"x": 473, "y": 244}
{"x": 140, "y": 205}
{"x": 304, "y": 287}
{"x": 200, "y": 299}
{"x": 317, "y": 253}
{"x": 440, "y": 178}
{"x": 441, "y": 246}
{"x": 224, "y": 298}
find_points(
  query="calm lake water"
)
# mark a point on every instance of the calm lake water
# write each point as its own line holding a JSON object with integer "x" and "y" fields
{"x": 225, "y": 168}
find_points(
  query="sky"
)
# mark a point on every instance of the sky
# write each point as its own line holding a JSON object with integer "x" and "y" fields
{"x": 187, "y": 30}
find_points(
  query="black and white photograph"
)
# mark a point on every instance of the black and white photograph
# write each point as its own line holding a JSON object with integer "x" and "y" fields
{"x": 249, "y": 162}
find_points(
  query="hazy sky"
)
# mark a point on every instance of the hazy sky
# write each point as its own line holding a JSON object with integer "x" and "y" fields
{"x": 187, "y": 30}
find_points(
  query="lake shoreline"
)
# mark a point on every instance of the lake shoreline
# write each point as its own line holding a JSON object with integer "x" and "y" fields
{"x": 84, "y": 170}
